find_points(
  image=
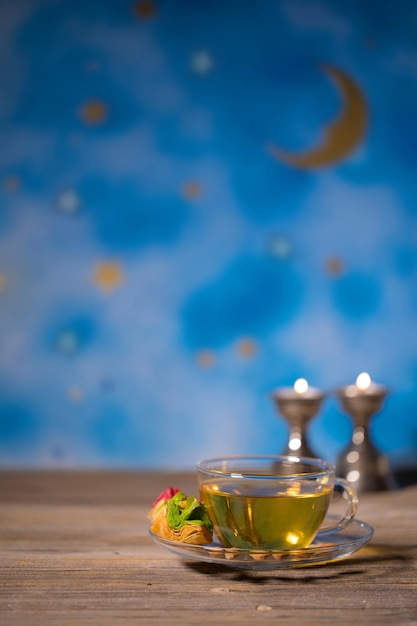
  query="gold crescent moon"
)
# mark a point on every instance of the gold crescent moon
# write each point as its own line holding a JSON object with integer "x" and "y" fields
{"x": 342, "y": 135}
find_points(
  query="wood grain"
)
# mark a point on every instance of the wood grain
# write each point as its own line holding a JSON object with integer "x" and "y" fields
{"x": 75, "y": 549}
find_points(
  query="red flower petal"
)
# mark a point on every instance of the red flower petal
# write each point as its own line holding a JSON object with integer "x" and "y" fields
{"x": 164, "y": 496}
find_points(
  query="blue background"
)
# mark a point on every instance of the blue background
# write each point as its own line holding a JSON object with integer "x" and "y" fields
{"x": 161, "y": 273}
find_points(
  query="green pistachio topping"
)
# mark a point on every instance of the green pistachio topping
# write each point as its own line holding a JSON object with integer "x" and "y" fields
{"x": 194, "y": 512}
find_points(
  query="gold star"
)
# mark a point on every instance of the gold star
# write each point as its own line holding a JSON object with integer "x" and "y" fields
{"x": 144, "y": 9}
{"x": 205, "y": 358}
{"x": 92, "y": 66}
{"x": 11, "y": 183}
{"x": 108, "y": 275}
{"x": 94, "y": 112}
{"x": 334, "y": 266}
{"x": 76, "y": 395}
{"x": 192, "y": 190}
{"x": 247, "y": 348}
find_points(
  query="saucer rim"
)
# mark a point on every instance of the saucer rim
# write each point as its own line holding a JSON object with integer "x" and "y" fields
{"x": 323, "y": 549}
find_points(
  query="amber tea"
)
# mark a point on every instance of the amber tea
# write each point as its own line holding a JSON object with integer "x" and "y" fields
{"x": 265, "y": 518}
{"x": 272, "y": 502}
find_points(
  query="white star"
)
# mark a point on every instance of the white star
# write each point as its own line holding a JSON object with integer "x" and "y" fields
{"x": 67, "y": 342}
{"x": 68, "y": 201}
{"x": 201, "y": 62}
{"x": 279, "y": 246}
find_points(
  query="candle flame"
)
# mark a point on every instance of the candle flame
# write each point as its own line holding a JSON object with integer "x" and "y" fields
{"x": 300, "y": 385}
{"x": 363, "y": 381}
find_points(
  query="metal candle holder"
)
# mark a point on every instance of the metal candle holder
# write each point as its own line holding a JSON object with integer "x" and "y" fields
{"x": 298, "y": 405}
{"x": 361, "y": 463}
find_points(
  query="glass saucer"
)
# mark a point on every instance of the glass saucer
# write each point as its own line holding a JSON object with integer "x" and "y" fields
{"x": 326, "y": 548}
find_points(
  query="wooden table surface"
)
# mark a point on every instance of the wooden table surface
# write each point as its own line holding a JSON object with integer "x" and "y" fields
{"x": 75, "y": 549}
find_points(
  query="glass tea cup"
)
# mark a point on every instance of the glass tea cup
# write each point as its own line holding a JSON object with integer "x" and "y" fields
{"x": 271, "y": 502}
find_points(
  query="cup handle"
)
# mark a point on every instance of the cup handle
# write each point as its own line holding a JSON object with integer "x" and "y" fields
{"x": 352, "y": 506}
